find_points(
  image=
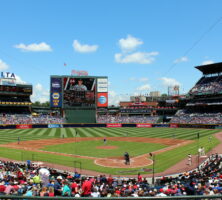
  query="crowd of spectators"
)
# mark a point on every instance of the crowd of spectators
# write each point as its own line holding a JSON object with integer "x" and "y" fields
{"x": 183, "y": 117}
{"x": 28, "y": 180}
{"x": 207, "y": 85}
{"x": 126, "y": 119}
{"x": 29, "y": 119}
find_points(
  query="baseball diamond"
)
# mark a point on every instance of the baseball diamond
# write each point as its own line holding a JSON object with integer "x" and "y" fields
{"x": 63, "y": 146}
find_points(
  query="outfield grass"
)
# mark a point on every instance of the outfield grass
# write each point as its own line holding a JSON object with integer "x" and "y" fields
{"x": 88, "y": 148}
{"x": 163, "y": 160}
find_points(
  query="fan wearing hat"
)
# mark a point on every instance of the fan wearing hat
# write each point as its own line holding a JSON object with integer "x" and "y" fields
{"x": 58, "y": 185}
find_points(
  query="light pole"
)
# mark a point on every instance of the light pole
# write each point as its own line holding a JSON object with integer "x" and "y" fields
{"x": 198, "y": 150}
{"x": 153, "y": 159}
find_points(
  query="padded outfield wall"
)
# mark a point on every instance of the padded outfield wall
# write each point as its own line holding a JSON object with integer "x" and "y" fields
{"x": 79, "y": 116}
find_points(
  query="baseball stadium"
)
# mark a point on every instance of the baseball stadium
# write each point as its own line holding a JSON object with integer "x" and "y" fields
{"x": 81, "y": 147}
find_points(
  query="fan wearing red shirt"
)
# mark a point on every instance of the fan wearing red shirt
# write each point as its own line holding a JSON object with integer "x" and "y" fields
{"x": 110, "y": 180}
{"x": 139, "y": 177}
{"x": 74, "y": 188}
{"x": 86, "y": 188}
{"x": 2, "y": 188}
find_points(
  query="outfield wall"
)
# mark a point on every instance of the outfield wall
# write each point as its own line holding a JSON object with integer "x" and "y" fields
{"x": 111, "y": 125}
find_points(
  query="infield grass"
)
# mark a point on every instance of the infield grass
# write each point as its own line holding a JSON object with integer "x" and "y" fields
{"x": 89, "y": 148}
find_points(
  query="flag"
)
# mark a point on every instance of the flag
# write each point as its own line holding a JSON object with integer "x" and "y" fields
{"x": 65, "y": 64}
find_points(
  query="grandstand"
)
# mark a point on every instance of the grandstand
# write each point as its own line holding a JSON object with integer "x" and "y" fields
{"x": 30, "y": 179}
{"x": 16, "y": 105}
{"x": 14, "y": 99}
{"x": 204, "y": 104}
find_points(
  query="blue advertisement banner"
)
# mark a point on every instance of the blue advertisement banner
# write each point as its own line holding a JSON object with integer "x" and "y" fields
{"x": 56, "y": 84}
{"x": 161, "y": 125}
{"x": 55, "y": 126}
{"x": 56, "y": 92}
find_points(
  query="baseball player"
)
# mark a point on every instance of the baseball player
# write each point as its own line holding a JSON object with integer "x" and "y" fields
{"x": 127, "y": 158}
{"x": 104, "y": 141}
{"x": 80, "y": 86}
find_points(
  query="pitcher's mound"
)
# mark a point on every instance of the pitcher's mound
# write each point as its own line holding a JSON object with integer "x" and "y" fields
{"x": 106, "y": 147}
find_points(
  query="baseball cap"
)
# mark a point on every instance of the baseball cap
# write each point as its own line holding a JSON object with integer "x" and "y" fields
{"x": 59, "y": 177}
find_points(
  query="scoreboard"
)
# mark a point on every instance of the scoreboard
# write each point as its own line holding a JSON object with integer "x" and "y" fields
{"x": 78, "y": 91}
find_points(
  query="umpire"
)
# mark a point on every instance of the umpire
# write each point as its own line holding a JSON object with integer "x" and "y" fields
{"x": 127, "y": 158}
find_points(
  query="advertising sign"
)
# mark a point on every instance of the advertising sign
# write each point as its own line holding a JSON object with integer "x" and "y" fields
{"x": 56, "y": 92}
{"x": 56, "y": 84}
{"x": 144, "y": 125}
{"x": 23, "y": 126}
{"x": 102, "y": 99}
{"x": 113, "y": 125}
{"x": 79, "y": 72}
{"x": 102, "y": 85}
{"x": 7, "y": 82}
{"x": 161, "y": 125}
{"x": 55, "y": 126}
{"x": 173, "y": 125}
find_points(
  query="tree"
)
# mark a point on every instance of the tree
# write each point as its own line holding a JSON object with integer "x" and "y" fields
{"x": 164, "y": 95}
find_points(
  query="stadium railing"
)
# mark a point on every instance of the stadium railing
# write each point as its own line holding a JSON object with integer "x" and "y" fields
{"x": 217, "y": 197}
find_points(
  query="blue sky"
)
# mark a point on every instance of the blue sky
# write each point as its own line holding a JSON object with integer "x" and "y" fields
{"x": 133, "y": 42}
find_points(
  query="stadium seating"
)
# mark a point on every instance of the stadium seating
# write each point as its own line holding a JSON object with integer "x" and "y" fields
{"x": 29, "y": 119}
{"x": 24, "y": 180}
{"x": 207, "y": 85}
{"x": 126, "y": 119}
{"x": 189, "y": 117}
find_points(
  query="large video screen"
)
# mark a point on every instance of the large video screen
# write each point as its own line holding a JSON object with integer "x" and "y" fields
{"x": 79, "y": 92}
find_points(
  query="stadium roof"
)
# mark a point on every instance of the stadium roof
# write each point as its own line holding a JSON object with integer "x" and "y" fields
{"x": 211, "y": 68}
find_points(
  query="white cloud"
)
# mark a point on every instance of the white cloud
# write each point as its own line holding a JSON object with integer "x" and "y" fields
{"x": 207, "y": 62}
{"x": 144, "y": 87}
{"x": 19, "y": 80}
{"x": 40, "y": 93}
{"x": 112, "y": 93}
{"x": 34, "y": 47}
{"x": 39, "y": 87}
{"x": 84, "y": 48}
{"x": 115, "y": 98}
{"x": 3, "y": 65}
{"x": 169, "y": 81}
{"x": 137, "y": 57}
{"x": 182, "y": 59}
{"x": 130, "y": 43}
{"x": 142, "y": 79}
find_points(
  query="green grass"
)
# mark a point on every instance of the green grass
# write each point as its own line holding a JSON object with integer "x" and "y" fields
{"x": 88, "y": 148}
{"x": 163, "y": 160}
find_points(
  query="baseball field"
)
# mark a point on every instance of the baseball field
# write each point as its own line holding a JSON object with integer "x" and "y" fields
{"x": 85, "y": 146}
